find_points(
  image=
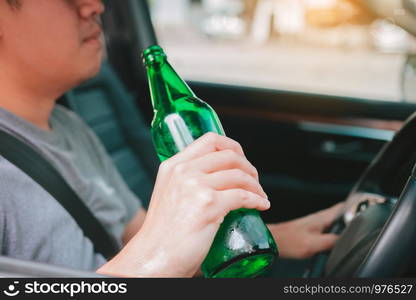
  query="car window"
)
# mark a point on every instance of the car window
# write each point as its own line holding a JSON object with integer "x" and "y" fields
{"x": 336, "y": 47}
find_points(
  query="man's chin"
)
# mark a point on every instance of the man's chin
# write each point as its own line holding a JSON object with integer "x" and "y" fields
{"x": 94, "y": 71}
{"x": 90, "y": 73}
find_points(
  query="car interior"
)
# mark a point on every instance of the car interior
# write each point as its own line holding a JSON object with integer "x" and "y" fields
{"x": 312, "y": 151}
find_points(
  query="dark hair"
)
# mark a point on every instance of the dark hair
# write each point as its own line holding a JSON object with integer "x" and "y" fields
{"x": 14, "y": 3}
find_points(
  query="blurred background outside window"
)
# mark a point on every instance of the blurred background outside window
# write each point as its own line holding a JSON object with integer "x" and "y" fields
{"x": 336, "y": 47}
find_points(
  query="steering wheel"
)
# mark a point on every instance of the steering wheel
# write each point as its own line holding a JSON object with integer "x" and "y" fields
{"x": 377, "y": 226}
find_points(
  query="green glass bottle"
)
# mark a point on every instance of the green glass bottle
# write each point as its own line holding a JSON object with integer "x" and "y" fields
{"x": 243, "y": 246}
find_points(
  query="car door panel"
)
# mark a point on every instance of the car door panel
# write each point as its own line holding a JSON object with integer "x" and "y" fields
{"x": 308, "y": 158}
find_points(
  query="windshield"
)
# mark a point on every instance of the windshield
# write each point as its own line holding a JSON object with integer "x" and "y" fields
{"x": 336, "y": 47}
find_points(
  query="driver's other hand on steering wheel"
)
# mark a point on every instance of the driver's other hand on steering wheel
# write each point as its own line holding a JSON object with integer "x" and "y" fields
{"x": 302, "y": 238}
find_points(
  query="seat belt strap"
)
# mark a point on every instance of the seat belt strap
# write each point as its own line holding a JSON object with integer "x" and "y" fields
{"x": 41, "y": 170}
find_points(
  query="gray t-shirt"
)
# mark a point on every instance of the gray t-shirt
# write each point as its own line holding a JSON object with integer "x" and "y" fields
{"x": 33, "y": 225}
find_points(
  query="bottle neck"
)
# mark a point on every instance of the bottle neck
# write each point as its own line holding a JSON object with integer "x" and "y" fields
{"x": 165, "y": 84}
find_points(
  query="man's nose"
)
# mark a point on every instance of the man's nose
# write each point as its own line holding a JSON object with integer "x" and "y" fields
{"x": 91, "y": 8}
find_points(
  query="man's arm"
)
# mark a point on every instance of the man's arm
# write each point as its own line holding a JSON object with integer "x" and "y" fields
{"x": 297, "y": 239}
{"x": 194, "y": 191}
{"x": 302, "y": 238}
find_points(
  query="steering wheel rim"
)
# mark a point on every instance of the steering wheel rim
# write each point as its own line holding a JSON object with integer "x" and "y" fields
{"x": 383, "y": 257}
{"x": 400, "y": 229}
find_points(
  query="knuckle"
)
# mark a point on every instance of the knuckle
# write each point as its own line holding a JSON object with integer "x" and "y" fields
{"x": 255, "y": 172}
{"x": 218, "y": 220}
{"x": 179, "y": 169}
{"x": 243, "y": 195}
{"x": 229, "y": 154}
{"x": 193, "y": 182}
{"x": 207, "y": 197}
{"x": 211, "y": 137}
{"x": 241, "y": 176}
{"x": 252, "y": 169}
{"x": 214, "y": 218}
{"x": 164, "y": 166}
{"x": 237, "y": 145}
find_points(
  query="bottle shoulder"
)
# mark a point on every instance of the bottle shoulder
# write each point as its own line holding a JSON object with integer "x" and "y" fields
{"x": 188, "y": 112}
{"x": 191, "y": 103}
{"x": 185, "y": 104}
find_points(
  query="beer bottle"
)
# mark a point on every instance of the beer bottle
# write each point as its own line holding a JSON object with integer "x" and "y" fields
{"x": 243, "y": 246}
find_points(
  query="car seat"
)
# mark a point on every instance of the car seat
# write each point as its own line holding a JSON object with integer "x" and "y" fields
{"x": 109, "y": 109}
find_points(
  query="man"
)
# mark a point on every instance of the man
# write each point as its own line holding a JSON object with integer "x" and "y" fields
{"x": 48, "y": 47}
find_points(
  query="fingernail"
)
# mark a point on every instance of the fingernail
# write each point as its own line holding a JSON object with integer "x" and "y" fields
{"x": 267, "y": 203}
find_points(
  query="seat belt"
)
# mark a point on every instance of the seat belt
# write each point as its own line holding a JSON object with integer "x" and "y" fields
{"x": 41, "y": 170}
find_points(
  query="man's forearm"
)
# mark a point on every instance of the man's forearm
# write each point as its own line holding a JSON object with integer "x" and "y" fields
{"x": 304, "y": 237}
{"x": 142, "y": 257}
{"x": 134, "y": 226}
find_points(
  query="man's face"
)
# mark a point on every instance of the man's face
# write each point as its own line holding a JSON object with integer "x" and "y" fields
{"x": 52, "y": 40}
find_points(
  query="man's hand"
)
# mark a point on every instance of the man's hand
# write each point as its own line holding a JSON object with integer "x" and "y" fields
{"x": 193, "y": 193}
{"x": 302, "y": 238}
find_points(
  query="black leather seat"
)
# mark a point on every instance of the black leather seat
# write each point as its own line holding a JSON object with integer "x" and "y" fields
{"x": 108, "y": 108}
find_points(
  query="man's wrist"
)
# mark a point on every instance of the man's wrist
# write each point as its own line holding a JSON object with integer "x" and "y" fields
{"x": 275, "y": 228}
{"x": 138, "y": 259}
{"x": 278, "y": 230}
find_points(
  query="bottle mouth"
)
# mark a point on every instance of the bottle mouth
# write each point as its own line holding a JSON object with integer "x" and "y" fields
{"x": 153, "y": 55}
